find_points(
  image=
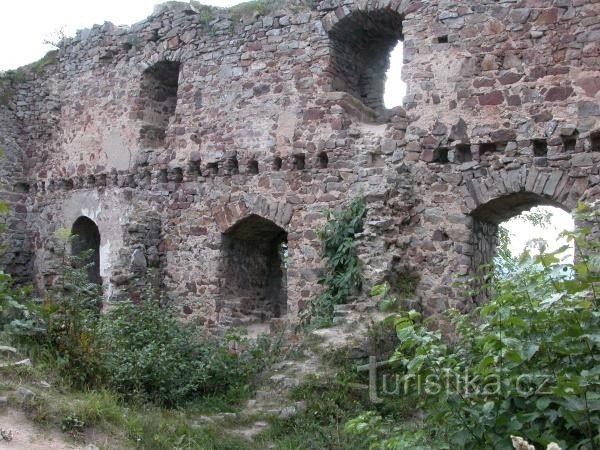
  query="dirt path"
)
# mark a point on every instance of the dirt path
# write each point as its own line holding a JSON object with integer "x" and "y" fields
{"x": 29, "y": 436}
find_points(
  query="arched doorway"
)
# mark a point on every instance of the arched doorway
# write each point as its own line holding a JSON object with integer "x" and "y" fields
{"x": 86, "y": 241}
{"x": 509, "y": 213}
{"x": 254, "y": 271}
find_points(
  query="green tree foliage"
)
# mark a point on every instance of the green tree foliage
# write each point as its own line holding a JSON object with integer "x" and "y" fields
{"x": 531, "y": 356}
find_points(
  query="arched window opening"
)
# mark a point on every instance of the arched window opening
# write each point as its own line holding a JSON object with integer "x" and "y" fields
{"x": 507, "y": 227}
{"x": 254, "y": 271}
{"x": 158, "y": 98}
{"x": 367, "y": 58}
{"x": 86, "y": 243}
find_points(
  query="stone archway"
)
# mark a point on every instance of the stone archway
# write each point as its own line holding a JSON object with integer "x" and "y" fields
{"x": 488, "y": 216}
{"x": 253, "y": 268}
{"x": 361, "y": 44}
{"x": 86, "y": 242}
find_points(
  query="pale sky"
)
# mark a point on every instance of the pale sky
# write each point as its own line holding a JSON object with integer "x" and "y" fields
{"x": 523, "y": 231}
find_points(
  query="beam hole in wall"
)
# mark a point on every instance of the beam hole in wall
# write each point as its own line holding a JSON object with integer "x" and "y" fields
{"x": 158, "y": 99}
{"x": 230, "y": 165}
{"x": 540, "y": 147}
{"x": 254, "y": 267}
{"x": 442, "y": 155}
{"x": 491, "y": 220}
{"x": 366, "y": 57}
{"x": 462, "y": 153}
{"x": 212, "y": 168}
{"x": 487, "y": 148}
{"x": 595, "y": 141}
{"x": 86, "y": 244}
{"x": 322, "y": 160}
{"x": 569, "y": 143}
{"x": 252, "y": 168}
{"x": 298, "y": 161}
{"x": 277, "y": 163}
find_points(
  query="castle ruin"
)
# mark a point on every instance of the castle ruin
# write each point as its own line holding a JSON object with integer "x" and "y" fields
{"x": 203, "y": 145}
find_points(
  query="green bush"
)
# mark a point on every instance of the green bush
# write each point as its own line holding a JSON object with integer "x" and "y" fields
{"x": 531, "y": 355}
{"x": 151, "y": 356}
{"x": 140, "y": 350}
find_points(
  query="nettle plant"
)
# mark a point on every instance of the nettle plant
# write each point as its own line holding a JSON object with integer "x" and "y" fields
{"x": 526, "y": 363}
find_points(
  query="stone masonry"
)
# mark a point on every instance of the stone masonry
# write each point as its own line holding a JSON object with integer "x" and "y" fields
{"x": 206, "y": 144}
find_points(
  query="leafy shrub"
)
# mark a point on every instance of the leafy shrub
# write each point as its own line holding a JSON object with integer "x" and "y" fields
{"x": 531, "y": 355}
{"x": 343, "y": 277}
{"x": 149, "y": 355}
{"x": 138, "y": 349}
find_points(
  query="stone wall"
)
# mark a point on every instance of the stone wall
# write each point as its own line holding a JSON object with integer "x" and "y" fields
{"x": 280, "y": 116}
{"x": 15, "y": 254}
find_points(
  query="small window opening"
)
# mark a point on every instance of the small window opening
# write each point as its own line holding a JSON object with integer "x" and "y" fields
{"x": 395, "y": 88}
{"x": 158, "y": 99}
{"x": 298, "y": 161}
{"x": 442, "y": 39}
{"x": 252, "y": 168}
{"x": 277, "y": 163}
{"x": 595, "y": 141}
{"x": 255, "y": 255}
{"x": 463, "y": 153}
{"x": 540, "y": 147}
{"x": 86, "y": 245}
{"x": 323, "y": 160}
{"x": 367, "y": 55}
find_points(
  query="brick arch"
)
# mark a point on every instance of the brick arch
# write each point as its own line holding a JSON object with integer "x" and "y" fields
{"x": 504, "y": 193}
{"x": 280, "y": 213}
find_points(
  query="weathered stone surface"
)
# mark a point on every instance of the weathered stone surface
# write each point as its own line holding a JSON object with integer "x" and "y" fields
{"x": 171, "y": 137}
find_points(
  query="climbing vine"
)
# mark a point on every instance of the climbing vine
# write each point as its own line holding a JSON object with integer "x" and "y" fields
{"x": 338, "y": 247}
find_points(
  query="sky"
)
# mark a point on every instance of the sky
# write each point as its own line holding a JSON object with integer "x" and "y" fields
{"x": 523, "y": 231}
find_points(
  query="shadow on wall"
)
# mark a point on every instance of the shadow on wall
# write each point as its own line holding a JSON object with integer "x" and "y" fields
{"x": 254, "y": 288}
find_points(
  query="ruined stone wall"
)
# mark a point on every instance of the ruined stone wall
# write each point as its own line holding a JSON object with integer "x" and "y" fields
{"x": 273, "y": 117}
{"x": 16, "y": 253}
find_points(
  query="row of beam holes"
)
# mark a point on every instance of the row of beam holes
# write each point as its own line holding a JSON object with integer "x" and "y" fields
{"x": 252, "y": 168}
{"x": 462, "y": 152}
